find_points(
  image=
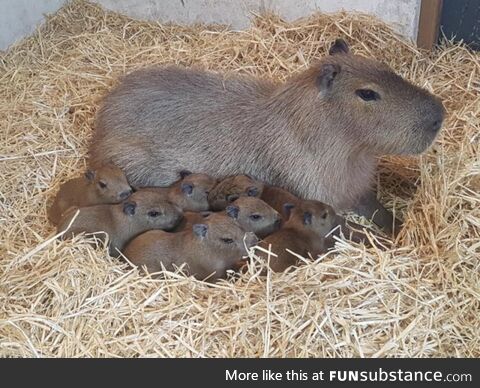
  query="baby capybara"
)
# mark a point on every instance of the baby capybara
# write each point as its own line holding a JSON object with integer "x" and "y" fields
{"x": 237, "y": 186}
{"x": 106, "y": 184}
{"x": 208, "y": 250}
{"x": 254, "y": 215}
{"x": 144, "y": 210}
{"x": 190, "y": 193}
{"x": 231, "y": 188}
{"x": 318, "y": 135}
{"x": 304, "y": 232}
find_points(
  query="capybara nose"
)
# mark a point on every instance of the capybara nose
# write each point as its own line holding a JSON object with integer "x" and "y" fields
{"x": 251, "y": 240}
{"x": 125, "y": 194}
{"x": 278, "y": 222}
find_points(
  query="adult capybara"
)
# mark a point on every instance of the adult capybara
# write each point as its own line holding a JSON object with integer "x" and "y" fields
{"x": 144, "y": 210}
{"x": 208, "y": 250}
{"x": 190, "y": 192}
{"x": 304, "y": 232}
{"x": 107, "y": 184}
{"x": 318, "y": 135}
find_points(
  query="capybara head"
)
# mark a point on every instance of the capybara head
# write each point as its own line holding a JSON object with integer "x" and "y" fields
{"x": 232, "y": 188}
{"x": 109, "y": 183}
{"x": 194, "y": 190}
{"x": 254, "y": 215}
{"x": 313, "y": 215}
{"x": 223, "y": 234}
{"x": 384, "y": 113}
{"x": 150, "y": 210}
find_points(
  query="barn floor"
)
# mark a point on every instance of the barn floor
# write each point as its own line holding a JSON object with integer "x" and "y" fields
{"x": 68, "y": 299}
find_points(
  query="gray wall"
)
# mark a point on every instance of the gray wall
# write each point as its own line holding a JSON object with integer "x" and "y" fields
{"x": 402, "y": 14}
{"x": 18, "y": 18}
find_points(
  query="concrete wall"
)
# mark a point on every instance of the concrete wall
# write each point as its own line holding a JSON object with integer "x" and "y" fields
{"x": 402, "y": 14}
{"x": 19, "y": 18}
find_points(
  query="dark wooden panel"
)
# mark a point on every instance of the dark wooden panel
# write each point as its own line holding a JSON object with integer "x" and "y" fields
{"x": 461, "y": 19}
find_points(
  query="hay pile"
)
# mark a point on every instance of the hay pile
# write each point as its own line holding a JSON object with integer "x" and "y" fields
{"x": 68, "y": 299}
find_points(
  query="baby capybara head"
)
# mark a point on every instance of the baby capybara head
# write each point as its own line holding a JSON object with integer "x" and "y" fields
{"x": 254, "y": 215}
{"x": 383, "y": 112}
{"x": 222, "y": 233}
{"x": 110, "y": 183}
{"x": 194, "y": 190}
{"x": 312, "y": 215}
{"x": 150, "y": 210}
{"x": 232, "y": 188}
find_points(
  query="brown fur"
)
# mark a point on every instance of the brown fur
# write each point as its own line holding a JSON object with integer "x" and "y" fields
{"x": 314, "y": 135}
{"x": 254, "y": 215}
{"x": 205, "y": 256}
{"x": 231, "y": 188}
{"x": 144, "y": 210}
{"x": 189, "y": 219}
{"x": 194, "y": 201}
{"x": 276, "y": 197}
{"x": 87, "y": 191}
{"x": 300, "y": 236}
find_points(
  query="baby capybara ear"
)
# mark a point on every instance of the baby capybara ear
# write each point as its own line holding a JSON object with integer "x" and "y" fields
{"x": 90, "y": 175}
{"x": 339, "y": 47}
{"x": 232, "y": 211}
{"x": 252, "y": 191}
{"x": 129, "y": 208}
{"x": 185, "y": 173}
{"x": 187, "y": 188}
{"x": 200, "y": 230}
{"x": 307, "y": 218}
{"x": 287, "y": 208}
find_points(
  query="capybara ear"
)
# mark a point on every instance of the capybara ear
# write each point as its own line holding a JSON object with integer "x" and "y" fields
{"x": 287, "y": 208}
{"x": 252, "y": 191}
{"x": 326, "y": 75}
{"x": 307, "y": 218}
{"x": 187, "y": 188}
{"x": 185, "y": 173}
{"x": 232, "y": 211}
{"x": 232, "y": 197}
{"x": 90, "y": 175}
{"x": 129, "y": 208}
{"x": 339, "y": 47}
{"x": 200, "y": 230}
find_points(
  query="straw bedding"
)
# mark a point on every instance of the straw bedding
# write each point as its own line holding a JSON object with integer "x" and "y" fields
{"x": 419, "y": 298}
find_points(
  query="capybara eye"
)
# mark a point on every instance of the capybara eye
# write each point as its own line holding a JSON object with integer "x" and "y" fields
{"x": 256, "y": 217}
{"x": 227, "y": 240}
{"x": 252, "y": 192}
{"x": 367, "y": 94}
{"x": 154, "y": 213}
{"x": 232, "y": 197}
{"x": 102, "y": 184}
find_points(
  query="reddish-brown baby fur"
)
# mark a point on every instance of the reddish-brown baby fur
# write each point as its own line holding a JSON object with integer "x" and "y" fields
{"x": 208, "y": 250}
{"x": 254, "y": 215}
{"x": 190, "y": 193}
{"x": 144, "y": 210}
{"x": 303, "y": 233}
{"x": 107, "y": 184}
{"x": 231, "y": 188}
